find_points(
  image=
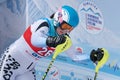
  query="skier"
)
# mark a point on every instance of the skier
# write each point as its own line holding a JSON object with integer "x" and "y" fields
{"x": 39, "y": 40}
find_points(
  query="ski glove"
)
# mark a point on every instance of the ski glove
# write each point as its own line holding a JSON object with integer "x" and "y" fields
{"x": 56, "y": 40}
{"x": 96, "y": 55}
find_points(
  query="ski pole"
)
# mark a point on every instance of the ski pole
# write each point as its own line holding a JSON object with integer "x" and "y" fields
{"x": 101, "y": 62}
{"x": 50, "y": 65}
{"x": 59, "y": 49}
{"x": 95, "y": 77}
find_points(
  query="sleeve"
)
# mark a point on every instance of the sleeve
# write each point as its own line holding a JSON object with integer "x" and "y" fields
{"x": 39, "y": 36}
{"x": 76, "y": 53}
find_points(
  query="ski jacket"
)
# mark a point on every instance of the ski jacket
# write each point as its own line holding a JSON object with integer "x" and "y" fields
{"x": 35, "y": 36}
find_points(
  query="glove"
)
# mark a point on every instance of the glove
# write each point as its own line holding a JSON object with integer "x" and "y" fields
{"x": 54, "y": 41}
{"x": 96, "y": 55}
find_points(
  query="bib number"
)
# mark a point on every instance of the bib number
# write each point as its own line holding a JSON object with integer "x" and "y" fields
{"x": 45, "y": 51}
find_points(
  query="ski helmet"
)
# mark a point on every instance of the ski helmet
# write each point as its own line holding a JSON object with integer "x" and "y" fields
{"x": 66, "y": 14}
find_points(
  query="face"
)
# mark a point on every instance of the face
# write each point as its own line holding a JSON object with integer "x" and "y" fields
{"x": 60, "y": 31}
{"x": 64, "y": 28}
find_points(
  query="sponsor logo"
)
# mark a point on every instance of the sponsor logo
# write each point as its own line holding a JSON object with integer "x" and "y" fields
{"x": 37, "y": 56}
{"x": 91, "y": 17}
{"x": 34, "y": 55}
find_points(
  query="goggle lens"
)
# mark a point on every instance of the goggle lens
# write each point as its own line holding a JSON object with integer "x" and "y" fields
{"x": 65, "y": 26}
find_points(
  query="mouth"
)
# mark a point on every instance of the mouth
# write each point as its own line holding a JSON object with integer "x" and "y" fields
{"x": 61, "y": 32}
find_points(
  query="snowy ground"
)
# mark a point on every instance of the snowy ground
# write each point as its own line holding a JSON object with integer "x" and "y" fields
{"x": 66, "y": 71}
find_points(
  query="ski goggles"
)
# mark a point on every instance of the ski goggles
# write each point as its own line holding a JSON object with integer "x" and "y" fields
{"x": 65, "y": 26}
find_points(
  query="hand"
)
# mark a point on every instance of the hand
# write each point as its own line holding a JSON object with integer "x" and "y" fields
{"x": 96, "y": 55}
{"x": 54, "y": 41}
